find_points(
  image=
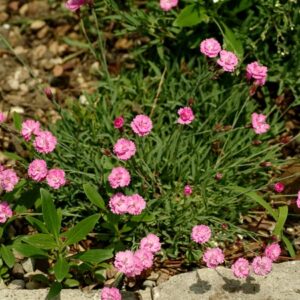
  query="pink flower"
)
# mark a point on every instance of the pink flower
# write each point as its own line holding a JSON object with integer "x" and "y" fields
{"x": 262, "y": 265}
{"x": 228, "y": 61}
{"x": 118, "y": 204}
{"x": 259, "y": 123}
{"x": 146, "y": 257}
{"x": 56, "y": 178}
{"x": 186, "y": 115}
{"x": 141, "y": 125}
{"x": 279, "y": 187}
{"x": 168, "y": 4}
{"x": 119, "y": 122}
{"x": 124, "y": 149}
{"x": 110, "y": 294}
{"x": 45, "y": 142}
{"x": 298, "y": 200}
{"x": 8, "y": 180}
{"x": 127, "y": 263}
{"x": 187, "y": 190}
{"x": 119, "y": 177}
{"x": 273, "y": 251}
{"x": 5, "y": 212}
{"x": 136, "y": 204}
{"x": 37, "y": 170}
{"x": 257, "y": 72}
{"x": 74, "y": 5}
{"x": 150, "y": 243}
{"x": 2, "y": 117}
{"x": 29, "y": 128}
{"x": 201, "y": 234}
{"x": 241, "y": 268}
{"x": 213, "y": 257}
{"x": 210, "y": 47}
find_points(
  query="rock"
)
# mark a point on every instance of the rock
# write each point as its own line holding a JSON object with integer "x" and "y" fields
{"x": 153, "y": 276}
{"x": 13, "y": 83}
{"x": 17, "y": 109}
{"x": 58, "y": 70}
{"x": 23, "y": 10}
{"x": 3, "y": 17}
{"x": 145, "y": 294}
{"x": 38, "y": 24}
{"x": 43, "y": 32}
{"x": 39, "y": 52}
{"x": 32, "y": 285}
{"x": 17, "y": 284}
{"x": 18, "y": 271}
{"x": 149, "y": 283}
{"x": 28, "y": 265}
{"x": 2, "y": 285}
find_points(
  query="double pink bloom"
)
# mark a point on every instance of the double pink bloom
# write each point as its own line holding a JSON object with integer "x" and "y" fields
{"x": 5, "y": 212}
{"x": 119, "y": 177}
{"x": 141, "y": 125}
{"x": 186, "y": 115}
{"x": 257, "y": 72}
{"x": 124, "y": 149}
{"x": 259, "y": 123}
{"x": 121, "y": 204}
{"x": 110, "y": 294}
{"x": 201, "y": 234}
{"x": 8, "y": 179}
{"x": 74, "y": 5}
{"x": 168, "y": 4}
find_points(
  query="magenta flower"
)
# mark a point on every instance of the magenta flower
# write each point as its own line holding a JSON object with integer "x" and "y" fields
{"x": 141, "y": 125}
{"x": 201, "y": 234}
{"x": 127, "y": 263}
{"x": 273, "y": 251}
{"x": 8, "y": 180}
{"x": 150, "y": 243}
{"x": 124, "y": 149}
{"x": 74, "y": 5}
{"x": 257, "y": 72}
{"x": 186, "y": 115}
{"x": 146, "y": 257}
{"x": 136, "y": 204}
{"x": 56, "y": 178}
{"x": 2, "y": 117}
{"x": 37, "y": 170}
{"x": 210, "y": 47}
{"x": 259, "y": 123}
{"x": 119, "y": 177}
{"x": 118, "y": 204}
{"x": 262, "y": 265}
{"x": 45, "y": 142}
{"x": 279, "y": 187}
{"x": 168, "y": 4}
{"x": 228, "y": 61}
{"x": 29, "y": 128}
{"x": 110, "y": 294}
{"x": 213, "y": 257}
{"x": 241, "y": 268}
{"x": 119, "y": 122}
{"x": 298, "y": 200}
{"x": 5, "y": 212}
{"x": 187, "y": 191}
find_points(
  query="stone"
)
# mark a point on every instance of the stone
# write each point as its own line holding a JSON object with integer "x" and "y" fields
{"x": 32, "y": 285}
{"x": 2, "y": 285}
{"x": 18, "y": 271}
{"x": 28, "y": 265}
{"x": 145, "y": 294}
{"x": 38, "y": 24}
{"x": 16, "y": 284}
{"x": 149, "y": 283}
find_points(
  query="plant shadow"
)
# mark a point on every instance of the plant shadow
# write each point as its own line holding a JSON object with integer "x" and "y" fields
{"x": 235, "y": 286}
{"x": 200, "y": 287}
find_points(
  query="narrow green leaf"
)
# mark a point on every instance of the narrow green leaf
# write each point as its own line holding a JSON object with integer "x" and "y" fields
{"x": 93, "y": 195}
{"x": 7, "y": 256}
{"x": 95, "y": 256}
{"x": 282, "y": 216}
{"x": 17, "y": 121}
{"x": 54, "y": 291}
{"x": 191, "y": 15}
{"x": 49, "y": 213}
{"x": 39, "y": 225}
{"x": 41, "y": 240}
{"x": 61, "y": 269}
{"x": 81, "y": 230}
{"x": 29, "y": 250}
{"x": 288, "y": 246}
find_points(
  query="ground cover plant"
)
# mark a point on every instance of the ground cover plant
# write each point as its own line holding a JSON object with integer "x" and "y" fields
{"x": 162, "y": 161}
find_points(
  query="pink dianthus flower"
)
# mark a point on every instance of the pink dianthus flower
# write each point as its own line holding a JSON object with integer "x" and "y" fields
{"x": 259, "y": 123}
{"x": 110, "y": 294}
{"x": 141, "y": 125}
{"x": 241, "y": 268}
{"x": 119, "y": 122}
{"x": 150, "y": 243}
{"x": 146, "y": 257}
{"x": 136, "y": 204}
{"x": 228, "y": 61}
{"x": 279, "y": 187}
{"x": 262, "y": 265}
{"x": 118, "y": 204}
{"x": 124, "y": 149}
{"x": 168, "y": 4}
{"x": 210, "y": 47}
{"x": 74, "y": 5}
{"x": 213, "y": 257}
{"x": 45, "y": 142}
{"x": 201, "y": 234}
{"x": 8, "y": 179}
{"x": 119, "y": 177}
{"x": 5, "y": 212}
{"x": 298, "y": 200}
{"x": 257, "y": 72}
{"x": 186, "y": 115}
{"x": 56, "y": 178}
{"x": 29, "y": 128}
{"x": 37, "y": 170}
{"x": 273, "y": 251}
{"x": 127, "y": 263}
{"x": 2, "y": 117}
{"x": 187, "y": 190}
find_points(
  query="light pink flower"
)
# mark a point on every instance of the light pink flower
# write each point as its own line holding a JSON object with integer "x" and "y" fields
{"x": 210, "y": 47}
{"x": 259, "y": 123}
{"x": 119, "y": 122}
{"x": 257, "y": 72}
{"x": 213, "y": 257}
{"x": 74, "y": 5}
{"x": 8, "y": 180}
{"x": 141, "y": 125}
{"x": 127, "y": 263}
{"x": 273, "y": 251}
{"x": 29, "y": 128}
{"x": 187, "y": 190}
{"x": 37, "y": 170}
{"x": 146, "y": 257}
{"x": 5, "y": 212}
{"x": 298, "y": 200}
{"x": 228, "y": 61}
{"x": 201, "y": 234}
{"x": 119, "y": 177}
{"x": 241, "y": 268}
{"x": 262, "y": 265}
{"x": 2, "y": 117}
{"x": 110, "y": 294}
{"x": 136, "y": 204}
{"x": 279, "y": 187}
{"x": 45, "y": 142}
{"x": 186, "y": 115}
{"x": 124, "y": 149}
{"x": 168, "y": 4}
{"x": 56, "y": 178}
{"x": 150, "y": 243}
{"x": 118, "y": 204}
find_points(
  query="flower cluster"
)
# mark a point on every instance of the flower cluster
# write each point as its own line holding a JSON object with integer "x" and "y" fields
{"x": 168, "y": 4}
{"x": 119, "y": 177}
{"x": 259, "y": 123}
{"x": 8, "y": 179}
{"x": 257, "y": 72}
{"x": 201, "y": 234}
{"x": 186, "y": 115}
{"x": 5, "y": 212}
{"x": 74, "y": 5}
{"x": 121, "y": 204}
{"x": 213, "y": 257}
{"x": 110, "y": 294}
